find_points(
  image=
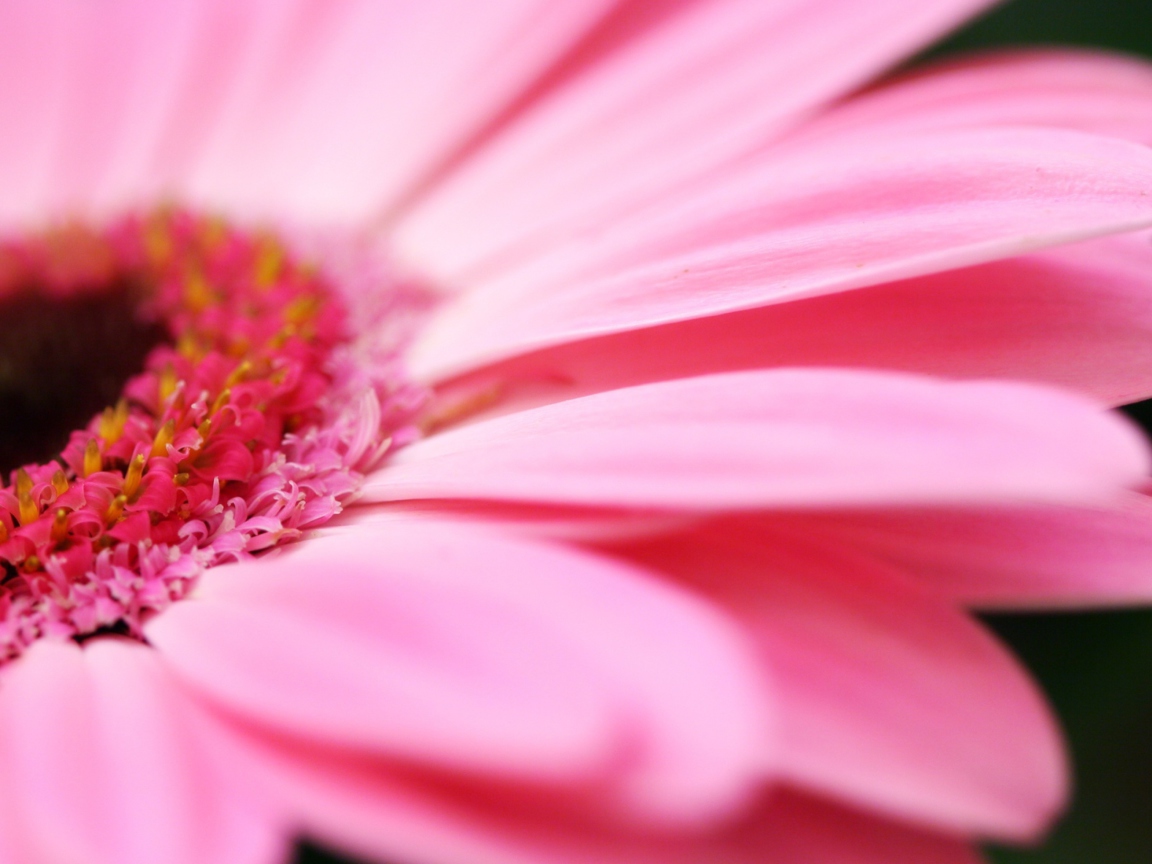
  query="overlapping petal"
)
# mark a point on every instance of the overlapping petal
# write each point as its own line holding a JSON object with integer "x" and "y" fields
{"x": 779, "y": 438}
{"x": 1074, "y": 316}
{"x": 847, "y": 215}
{"x": 435, "y": 643}
{"x": 889, "y": 695}
{"x": 105, "y": 761}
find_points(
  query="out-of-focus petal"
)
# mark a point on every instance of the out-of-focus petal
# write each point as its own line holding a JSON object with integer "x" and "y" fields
{"x": 371, "y": 813}
{"x": 305, "y": 110}
{"x": 846, "y": 215}
{"x": 708, "y": 81}
{"x": 786, "y": 437}
{"x": 1090, "y": 91}
{"x": 1075, "y": 317}
{"x": 104, "y": 761}
{"x": 890, "y": 695}
{"x": 447, "y": 645}
{"x": 357, "y": 101}
{"x": 1012, "y": 558}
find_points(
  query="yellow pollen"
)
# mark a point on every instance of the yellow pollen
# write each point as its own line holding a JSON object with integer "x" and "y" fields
{"x": 220, "y": 402}
{"x": 164, "y": 438}
{"x": 238, "y": 374}
{"x": 269, "y": 260}
{"x": 115, "y": 509}
{"x": 301, "y": 309}
{"x": 204, "y": 430}
{"x": 190, "y": 347}
{"x": 60, "y": 482}
{"x": 31, "y": 563}
{"x": 168, "y": 382}
{"x": 60, "y": 526}
{"x": 180, "y": 479}
{"x": 93, "y": 461}
{"x": 29, "y": 510}
{"x": 158, "y": 242}
{"x": 197, "y": 292}
{"x": 135, "y": 474}
{"x": 112, "y": 422}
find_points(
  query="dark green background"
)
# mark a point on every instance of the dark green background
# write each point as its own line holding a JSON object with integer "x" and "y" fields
{"x": 1097, "y": 668}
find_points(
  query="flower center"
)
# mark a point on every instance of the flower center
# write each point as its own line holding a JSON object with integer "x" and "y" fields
{"x": 62, "y": 359}
{"x": 193, "y": 394}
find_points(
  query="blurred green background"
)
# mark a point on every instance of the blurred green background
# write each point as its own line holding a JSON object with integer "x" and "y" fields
{"x": 1096, "y": 668}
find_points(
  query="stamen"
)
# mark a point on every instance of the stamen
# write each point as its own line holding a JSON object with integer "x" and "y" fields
{"x": 163, "y": 438}
{"x": 135, "y": 474}
{"x": 248, "y": 424}
{"x": 29, "y": 511}
{"x": 60, "y": 526}
{"x": 93, "y": 461}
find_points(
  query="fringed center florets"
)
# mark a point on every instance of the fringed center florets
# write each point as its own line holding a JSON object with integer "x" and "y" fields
{"x": 249, "y": 423}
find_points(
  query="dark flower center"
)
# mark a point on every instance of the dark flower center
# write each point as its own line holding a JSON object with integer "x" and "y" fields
{"x": 62, "y": 360}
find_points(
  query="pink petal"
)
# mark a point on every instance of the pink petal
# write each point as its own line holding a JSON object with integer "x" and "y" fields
{"x": 778, "y": 438}
{"x": 376, "y": 815}
{"x": 441, "y": 643}
{"x": 1104, "y": 94}
{"x": 822, "y": 220}
{"x": 105, "y": 762}
{"x": 890, "y": 696}
{"x": 1013, "y": 558}
{"x": 349, "y": 105}
{"x": 1075, "y": 317}
{"x": 703, "y": 83}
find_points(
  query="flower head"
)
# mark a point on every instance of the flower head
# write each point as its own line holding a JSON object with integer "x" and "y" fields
{"x": 580, "y": 395}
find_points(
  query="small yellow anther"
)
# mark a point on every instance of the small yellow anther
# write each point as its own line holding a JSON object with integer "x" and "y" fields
{"x": 60, "y": 525}
{"x": 180, "y": 479}
{"x": 135, "y": 474}
{"x": 112, "y": 422}
{"x": 29, "y": 510}
{"x": 220, "y": 402}
{"x": 31, "y": 564}
{"x": 301, "y": 309}
{"x": 163, "y": 438}
{"x": 93, "y": 460}
{"x": 238, "y": 374}
{"x": 60, "y": 482}
{"x": 269, "y": 260}
{"x": 197, "y": 292}
{"x": 168, "y": 382}
{"x": 116, "y": 509}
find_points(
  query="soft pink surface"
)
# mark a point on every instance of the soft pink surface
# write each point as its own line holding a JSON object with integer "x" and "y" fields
{"x": 889, "y": 694}
{"x": 1074, "y": 316}
{"x": 104, "y": 761}
{"x": 844, "y": 215}
{"x": 1010, "y": 558}
{"x": 783, "y": 437}
{"x": 441, "y": 644}
{"x": 698, "y": 89}
{"x": 688, "y": 180}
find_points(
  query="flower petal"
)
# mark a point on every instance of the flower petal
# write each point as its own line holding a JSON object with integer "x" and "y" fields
{"x": 105, "y": 762}
{"x": 1105, "y": 94}
{"x": 1014, "y": 558}
{"x": 441, "y": 643}
{"x": 890, "y": 696}
{"x": 374, "y": 814}
{"x": 823, "y": 220}
{"x": 1074, "y": 317}
{"x": 687, "y": 94}
{"x": 351, "y": 104}
{"x": 779, "y": 438}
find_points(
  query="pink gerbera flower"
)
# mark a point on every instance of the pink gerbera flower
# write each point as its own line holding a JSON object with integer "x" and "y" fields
{"x": 575, "y": 384}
